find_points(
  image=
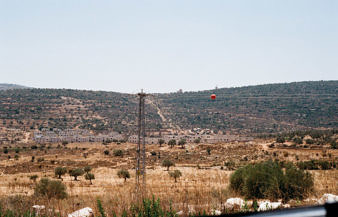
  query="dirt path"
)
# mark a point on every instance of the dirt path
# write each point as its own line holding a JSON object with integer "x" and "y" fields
{"x": 160, "y": 113}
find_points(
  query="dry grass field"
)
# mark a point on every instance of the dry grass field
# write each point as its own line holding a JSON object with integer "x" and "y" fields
{"x": 202, "y": 187}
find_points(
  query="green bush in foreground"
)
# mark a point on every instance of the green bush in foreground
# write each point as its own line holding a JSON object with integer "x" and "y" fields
{"x": 50, "y": 189}
{"x": 147, "y": 208}
{"x": 268, "y": 180}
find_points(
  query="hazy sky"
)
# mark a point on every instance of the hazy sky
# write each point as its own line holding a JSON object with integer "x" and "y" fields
{"x": 163, "y": 46}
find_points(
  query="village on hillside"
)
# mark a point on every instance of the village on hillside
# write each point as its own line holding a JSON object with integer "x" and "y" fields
{"x": 196, "y": 135}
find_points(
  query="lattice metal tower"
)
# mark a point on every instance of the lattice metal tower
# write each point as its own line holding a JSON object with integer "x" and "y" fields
{"x": 141, "y": 149}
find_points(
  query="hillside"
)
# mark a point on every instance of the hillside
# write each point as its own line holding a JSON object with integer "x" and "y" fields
{"x": 257, "y": 109}
{"x": 61, "y": 108}
{"x": 246, "y": 110}
{"x": 4, "y": 86}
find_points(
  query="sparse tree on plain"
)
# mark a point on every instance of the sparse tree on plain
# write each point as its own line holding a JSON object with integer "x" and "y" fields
{"x": 175, "y": 174}
{"x": 182, "y": 142}
{"x": 168, "y": 163}
{"x": 161, "y": 142}
{"x": 87, "y": 169}
{"x": 90, "y": 177}
{"x": 172, "y": 143}
{"x": 122, "y": 173}
{"x": 76, "y": 172}
{"x": 59, "y": 171}
{"x": 33, "y": 178}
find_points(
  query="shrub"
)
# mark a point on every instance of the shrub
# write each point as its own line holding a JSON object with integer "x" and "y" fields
{"x": 280, "y": 139}
{"x": 150, "y": 207}
{"x": 33, "y": 178}
{"x": 146, "y": 207}
{"x": 208, "y": 150}
{"x": 59, "y": 171}
{"x": 118, "y": 153}
{"x": 314, "y": 165}
{"x": 325, "y": 165}
{"x": 175, "y": 174}
{"x": 298, "y": 184}
{"x": 122, "y": 173}
{"x": 298, "y": 140}
{"x": 100, "y": 207}
{"x": 168, "y": 163}
{"x": 230, "y": 165}
{"x": 197, "y": 141}
{"x": 309, "y": 141}
{"x": 267, "y": 180}
{"x": 106, "y": 152}
{"x": 50, "y": 189}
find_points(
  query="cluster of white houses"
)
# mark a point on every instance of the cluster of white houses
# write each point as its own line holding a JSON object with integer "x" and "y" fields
{"x": 204, "y": 138}
{"x": 79, "y": 135}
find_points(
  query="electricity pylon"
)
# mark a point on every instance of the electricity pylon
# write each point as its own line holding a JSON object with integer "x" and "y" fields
{"x": 141, "y": 149}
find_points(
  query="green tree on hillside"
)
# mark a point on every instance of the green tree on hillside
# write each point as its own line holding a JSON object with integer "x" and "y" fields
{"x": 122, "y": 173}
{"x": 76, "y": 172}
{"x": 175, "y": 174}
{"x": 172, "y": 143}
{"x": 59, "y": 171}
{"x": 168, "y": 163}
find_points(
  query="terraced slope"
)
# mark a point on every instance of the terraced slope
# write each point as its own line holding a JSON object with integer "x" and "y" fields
{"x": 246, "y": 110}
{"x": 257, "y": 109}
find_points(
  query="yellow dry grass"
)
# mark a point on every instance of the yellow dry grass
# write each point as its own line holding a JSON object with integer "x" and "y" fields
{"x": 202, "y": 189}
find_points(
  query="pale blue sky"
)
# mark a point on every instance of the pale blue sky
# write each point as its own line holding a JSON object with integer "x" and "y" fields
{"x": 163, "y": 46}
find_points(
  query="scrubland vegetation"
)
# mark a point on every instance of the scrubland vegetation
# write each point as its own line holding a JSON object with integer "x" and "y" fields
{"x": 197, "y": 178}
{"x": 270, "y": 108}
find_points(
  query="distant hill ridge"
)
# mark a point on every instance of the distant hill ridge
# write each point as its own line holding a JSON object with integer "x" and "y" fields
{"x": 4, "y": 86}
{"x": 244, "y": 110}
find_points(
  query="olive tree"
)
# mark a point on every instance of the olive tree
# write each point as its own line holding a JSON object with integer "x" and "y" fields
{"x": 59, "y": 171}
{"x": 172, "y": 143}
{"x": 122, "y": 173}
{"x": 175, "y": 174}
{"x": 76, "y": 172}
{"x": 87, "y": 169}
{"x": 161, "y": 142}
{"x": 182, "y": 142}
{"x": 168, "y": 163}
{"x": 90, "y": 177}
